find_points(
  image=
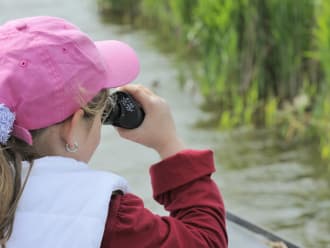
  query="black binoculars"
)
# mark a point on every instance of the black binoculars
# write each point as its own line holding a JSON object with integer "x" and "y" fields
{"x": 123, "y": 111}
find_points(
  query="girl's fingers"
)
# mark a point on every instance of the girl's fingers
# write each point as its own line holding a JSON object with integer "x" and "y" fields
{"x": 135, "y": 89}
{"x": 141, "y": 94}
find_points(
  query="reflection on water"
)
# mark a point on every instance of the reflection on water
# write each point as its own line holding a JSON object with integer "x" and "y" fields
{"x": 276, "y": 187}
{"x": 260, "y": 178}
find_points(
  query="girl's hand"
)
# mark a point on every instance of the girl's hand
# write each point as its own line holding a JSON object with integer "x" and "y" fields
{"x": 157, "y": 130}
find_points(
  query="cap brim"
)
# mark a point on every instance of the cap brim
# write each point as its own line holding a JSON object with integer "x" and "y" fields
{"x": 121, "y": 60}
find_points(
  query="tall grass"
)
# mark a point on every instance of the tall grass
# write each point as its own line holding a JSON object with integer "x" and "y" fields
{"x": 258, "y": 62}
{"x": 322, "y": 54}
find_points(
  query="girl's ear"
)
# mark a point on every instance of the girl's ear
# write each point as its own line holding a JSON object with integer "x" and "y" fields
{"x": 70, "y": 129}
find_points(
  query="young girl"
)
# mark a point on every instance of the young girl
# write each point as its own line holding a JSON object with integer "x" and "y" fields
{"x": 53, "y": 92}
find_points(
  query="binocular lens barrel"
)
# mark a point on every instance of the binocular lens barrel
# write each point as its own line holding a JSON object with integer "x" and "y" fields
{"x": 124, "y": 111}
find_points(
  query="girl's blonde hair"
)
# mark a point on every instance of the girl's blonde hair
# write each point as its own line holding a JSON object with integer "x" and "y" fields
{"x": 11, "y": 156}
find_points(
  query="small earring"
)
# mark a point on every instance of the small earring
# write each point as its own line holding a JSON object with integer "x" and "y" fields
{"x": 72, "y": 148}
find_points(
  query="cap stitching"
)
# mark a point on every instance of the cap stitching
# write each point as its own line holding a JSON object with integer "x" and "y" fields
{"x": 48, "y": 60}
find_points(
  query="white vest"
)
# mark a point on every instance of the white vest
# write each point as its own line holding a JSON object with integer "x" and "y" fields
{"x": 64, "y": 205}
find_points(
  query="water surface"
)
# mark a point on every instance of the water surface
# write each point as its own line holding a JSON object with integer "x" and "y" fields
{"x": 262, "y": 180}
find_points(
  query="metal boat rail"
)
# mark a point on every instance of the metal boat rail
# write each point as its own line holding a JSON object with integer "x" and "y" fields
{"x": 244, "y": 232}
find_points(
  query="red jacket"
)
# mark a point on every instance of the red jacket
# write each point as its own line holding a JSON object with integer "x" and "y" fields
{"x": 181, "y": 183}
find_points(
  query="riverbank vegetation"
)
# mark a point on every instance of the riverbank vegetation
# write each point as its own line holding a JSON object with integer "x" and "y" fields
{"x": 256, "y": 62}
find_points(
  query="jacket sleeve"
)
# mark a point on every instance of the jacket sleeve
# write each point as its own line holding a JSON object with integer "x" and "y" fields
{"x": 181, "y": 183}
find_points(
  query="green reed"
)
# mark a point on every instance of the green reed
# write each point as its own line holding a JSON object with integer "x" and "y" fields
{"x": 321, "y": 53}
{"x": 257, "y": 62}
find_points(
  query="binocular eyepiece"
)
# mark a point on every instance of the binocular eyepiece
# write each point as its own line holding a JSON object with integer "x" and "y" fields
{"x": 123, "y": 111}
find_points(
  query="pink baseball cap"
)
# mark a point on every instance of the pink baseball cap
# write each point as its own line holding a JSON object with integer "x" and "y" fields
{"x": 49, "y": 69}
